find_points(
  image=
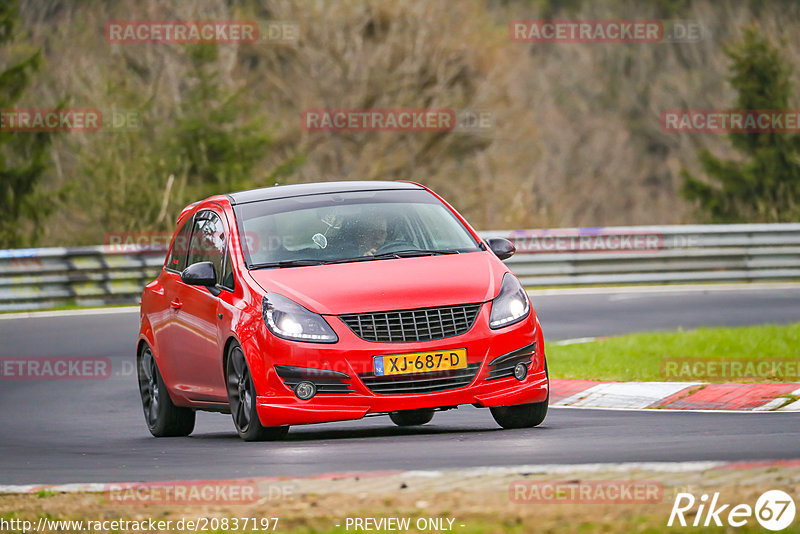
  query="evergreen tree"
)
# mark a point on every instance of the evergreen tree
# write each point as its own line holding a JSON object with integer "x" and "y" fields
{"x": 211, "y": 142}
{"x": 765, "y": 185}
{"x": 24, "y": 156}
{"x": 217, "y": 150}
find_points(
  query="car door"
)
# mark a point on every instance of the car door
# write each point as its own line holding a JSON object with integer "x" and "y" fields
{"x": 165, "y": 306}
{"x": 198, "y": 354}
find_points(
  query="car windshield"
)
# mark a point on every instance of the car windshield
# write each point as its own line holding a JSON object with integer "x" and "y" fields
{"x": 348, "y": 226}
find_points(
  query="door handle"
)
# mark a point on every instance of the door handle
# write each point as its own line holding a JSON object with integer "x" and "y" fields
{"x": 177, "y": 304}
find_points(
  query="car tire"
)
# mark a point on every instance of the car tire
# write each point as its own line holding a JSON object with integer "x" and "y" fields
{"x": 163, "y": 418}
{"x": 242, "y": 400}
{"x": 412, "y": 417}
{"x": 522, "y": 415}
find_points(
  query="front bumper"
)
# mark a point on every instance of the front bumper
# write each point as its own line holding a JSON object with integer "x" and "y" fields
{"x": 289, "y": 410}
{"x": 277, "y": 405}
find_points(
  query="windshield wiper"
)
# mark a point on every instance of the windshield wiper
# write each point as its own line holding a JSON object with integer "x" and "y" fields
{"x": 383, "y": 256}
{"x": 418, "y": 252}
{"x": 366, "y": 258}
{"x": 411, "y": 253}
{"x": 289, "y": 263}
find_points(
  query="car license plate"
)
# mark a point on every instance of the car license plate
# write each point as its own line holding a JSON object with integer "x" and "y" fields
{"x": 420, "y": 362}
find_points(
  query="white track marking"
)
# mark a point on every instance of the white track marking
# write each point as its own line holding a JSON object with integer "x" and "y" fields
{"x": 573, "y": 341}
{"x": 792, "y": 406}
{"x": 625, "y": 394}
{"x": 774, "y": 404}
{"x": 68, "y": 313}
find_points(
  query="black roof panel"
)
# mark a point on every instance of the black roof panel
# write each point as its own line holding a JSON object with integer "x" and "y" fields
{"x": 296, "y": 190}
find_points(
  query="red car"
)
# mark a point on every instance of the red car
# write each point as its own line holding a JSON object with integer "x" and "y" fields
{"x": 310, "y": 303}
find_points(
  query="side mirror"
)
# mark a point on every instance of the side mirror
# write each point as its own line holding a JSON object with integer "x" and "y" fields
{"x": 503, "y": 248}
{"x": 200, "y": 274}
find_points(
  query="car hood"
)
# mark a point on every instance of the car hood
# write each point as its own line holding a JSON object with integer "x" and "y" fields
{"x": 393, "y": 284}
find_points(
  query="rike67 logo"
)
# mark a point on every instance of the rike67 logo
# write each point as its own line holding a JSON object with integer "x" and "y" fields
{"x": 774, "y": 510}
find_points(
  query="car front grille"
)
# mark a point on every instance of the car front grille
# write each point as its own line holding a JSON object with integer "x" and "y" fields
{"x": 411, "y": 326}
{"x": 503, "y": 366}
{"x": 417, "y": 383}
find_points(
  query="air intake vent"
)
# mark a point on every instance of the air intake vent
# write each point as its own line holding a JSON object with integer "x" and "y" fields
{"x": 420, "y": 382}
{"x": 503, "y": 366}
{"x": 326, "y": 381}
{"x": 411, "y": 326}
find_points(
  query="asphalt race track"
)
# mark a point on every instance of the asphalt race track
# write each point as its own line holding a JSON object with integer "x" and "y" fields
{"x": 93, "y": 431}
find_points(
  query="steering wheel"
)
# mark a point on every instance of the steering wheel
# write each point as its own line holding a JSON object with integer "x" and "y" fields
{"x": 394, "y": 245}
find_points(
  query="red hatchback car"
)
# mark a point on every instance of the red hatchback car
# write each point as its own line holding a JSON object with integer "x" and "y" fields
{"x": 325, "y": 302}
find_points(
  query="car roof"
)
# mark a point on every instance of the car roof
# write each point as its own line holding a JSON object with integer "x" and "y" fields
{"x": 297, "y": 190}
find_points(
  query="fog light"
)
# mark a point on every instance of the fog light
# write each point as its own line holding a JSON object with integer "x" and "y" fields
{"x": 305, "y": 390}
{"x": 520, "y": 371}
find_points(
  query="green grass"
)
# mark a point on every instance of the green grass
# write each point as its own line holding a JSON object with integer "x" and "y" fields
{"x": 644, "y": 357}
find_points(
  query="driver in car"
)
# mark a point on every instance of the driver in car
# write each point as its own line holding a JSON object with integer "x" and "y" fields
{"x": 373, "y": 232}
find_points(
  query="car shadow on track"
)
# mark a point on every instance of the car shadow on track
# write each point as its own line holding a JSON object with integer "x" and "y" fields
{"x": 306, "y": 434}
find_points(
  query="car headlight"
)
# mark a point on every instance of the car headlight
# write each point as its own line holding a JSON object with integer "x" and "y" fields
{"x": 288, "y": 320}
{"x": 511, "y": 305}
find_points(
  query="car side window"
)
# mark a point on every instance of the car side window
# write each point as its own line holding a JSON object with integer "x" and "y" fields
{"x": 228, "y": 280}
{"x": 208, "y": 241}
{"x": 180, "y": 248}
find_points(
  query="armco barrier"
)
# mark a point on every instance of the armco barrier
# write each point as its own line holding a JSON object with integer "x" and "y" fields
{"x": 85, "y": 276}
{"x": 47, "y": 277}
{"x": 665, "y": 254}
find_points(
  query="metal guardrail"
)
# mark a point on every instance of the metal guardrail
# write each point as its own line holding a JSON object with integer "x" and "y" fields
{"x": 666, "y": 254}
{"x": 84, "y": 276}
